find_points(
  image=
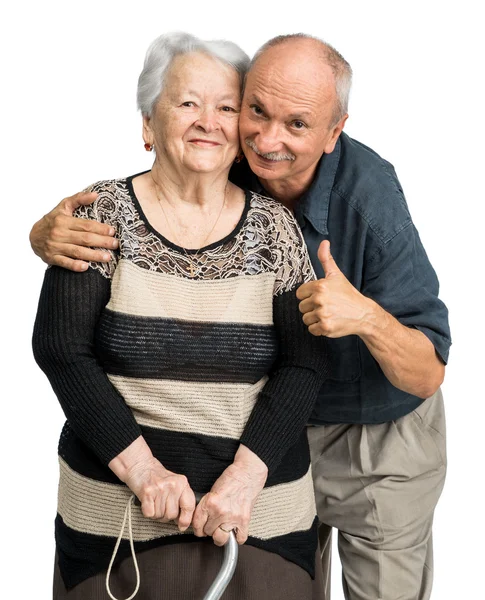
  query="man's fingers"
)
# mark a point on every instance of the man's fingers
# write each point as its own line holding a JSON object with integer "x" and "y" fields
{"x": 70, "y": 204}
{"x": 68, "y": 263}
{"x": 84, "y": 238}
{"x": 317, "y": 330}
{"x": 310, "y": 318}
{"x": 101, "y": 230}
{"x": 90, "y": 240}
{"x": 326, "y": 259}
{"x": 71, "y": 251}
{"x": 306, "y": 305}
{"x": 63, "y": 226}
{"x": 81, "y": 239}
{"x": 304, "y": 291}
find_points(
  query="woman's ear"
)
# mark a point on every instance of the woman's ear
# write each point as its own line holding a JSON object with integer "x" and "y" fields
{"x": 239, "y": 157}
{"x": 147, "y": 132}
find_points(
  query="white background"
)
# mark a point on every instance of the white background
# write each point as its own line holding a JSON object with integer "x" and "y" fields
{"x": 68, "y": 118}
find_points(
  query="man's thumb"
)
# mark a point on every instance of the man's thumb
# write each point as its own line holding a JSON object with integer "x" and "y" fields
{"x": 329, "y": 265}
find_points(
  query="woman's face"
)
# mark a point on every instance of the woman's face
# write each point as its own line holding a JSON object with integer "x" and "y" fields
{"x": 194, "y": 124}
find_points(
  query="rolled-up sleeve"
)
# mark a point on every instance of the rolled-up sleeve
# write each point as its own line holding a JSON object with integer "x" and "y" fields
{"x": 401, "y": 279}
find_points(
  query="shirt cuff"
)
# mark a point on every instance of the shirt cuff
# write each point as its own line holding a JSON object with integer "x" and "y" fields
{"x": 441, "y": 343}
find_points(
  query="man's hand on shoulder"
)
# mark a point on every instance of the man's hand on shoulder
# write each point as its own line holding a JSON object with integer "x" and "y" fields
{"x": 63, "y": 240}
{"x": 332, "y": 306}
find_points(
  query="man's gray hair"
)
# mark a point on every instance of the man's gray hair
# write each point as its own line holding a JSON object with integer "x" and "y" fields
{"x": 165, "y": 48}
{"x": 341, "y": 69}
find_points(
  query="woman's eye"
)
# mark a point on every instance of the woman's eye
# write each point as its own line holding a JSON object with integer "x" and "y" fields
{"x": 188, "y": 104}
{"x": 228, "y": 109}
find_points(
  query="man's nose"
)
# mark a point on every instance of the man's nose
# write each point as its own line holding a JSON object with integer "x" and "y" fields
{"x": 208, "y": 120}
{"x": 269, "y": 138}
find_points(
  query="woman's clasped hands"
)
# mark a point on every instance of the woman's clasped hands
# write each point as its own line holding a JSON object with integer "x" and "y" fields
{"x": 166, "y": 496}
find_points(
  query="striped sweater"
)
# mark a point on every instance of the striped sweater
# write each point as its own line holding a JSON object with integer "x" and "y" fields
{"x": 196, "y": 361}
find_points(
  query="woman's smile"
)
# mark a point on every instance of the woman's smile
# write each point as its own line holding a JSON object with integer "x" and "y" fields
{"x": 204, "y": 143}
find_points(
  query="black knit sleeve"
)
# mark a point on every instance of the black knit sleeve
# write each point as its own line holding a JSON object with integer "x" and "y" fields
{"x": 63, "y": 343}
{"x": 286, "y": 401}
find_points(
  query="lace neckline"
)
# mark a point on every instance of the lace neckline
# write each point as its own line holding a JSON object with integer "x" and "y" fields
{"x": 170, "y": 244}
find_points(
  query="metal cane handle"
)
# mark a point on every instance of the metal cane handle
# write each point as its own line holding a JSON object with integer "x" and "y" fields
{"x": 226, "y": 571}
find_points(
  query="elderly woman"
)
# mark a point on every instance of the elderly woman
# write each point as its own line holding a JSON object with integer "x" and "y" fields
{"x": 183, "y": 365}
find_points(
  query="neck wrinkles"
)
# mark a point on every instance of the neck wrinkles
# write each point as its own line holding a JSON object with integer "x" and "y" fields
{"x": 188, "y": 187}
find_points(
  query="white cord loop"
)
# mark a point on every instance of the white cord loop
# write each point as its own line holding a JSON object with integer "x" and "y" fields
{"x": 115, "y": 552}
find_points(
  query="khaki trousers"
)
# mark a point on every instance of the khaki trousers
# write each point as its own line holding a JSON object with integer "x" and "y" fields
{"x": 379, "y": 485}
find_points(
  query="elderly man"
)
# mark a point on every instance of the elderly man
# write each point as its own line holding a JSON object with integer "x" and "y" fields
{"x": 377, "y": 434}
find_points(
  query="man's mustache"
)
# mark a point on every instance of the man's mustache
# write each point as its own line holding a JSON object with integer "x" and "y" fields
{"x": 276, "y": 156}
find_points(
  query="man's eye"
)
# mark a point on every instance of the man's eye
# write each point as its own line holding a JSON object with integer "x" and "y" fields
{"x": 256, "y": 109}
{"x": 298, "y": 124}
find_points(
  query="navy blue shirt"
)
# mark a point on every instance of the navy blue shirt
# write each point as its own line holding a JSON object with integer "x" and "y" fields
{"x": 356, "y": 202}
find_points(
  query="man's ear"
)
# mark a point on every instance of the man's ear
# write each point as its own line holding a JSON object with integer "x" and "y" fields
{"x": 336, "y": 131}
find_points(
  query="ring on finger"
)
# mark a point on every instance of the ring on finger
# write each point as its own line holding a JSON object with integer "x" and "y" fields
{"x": 225, "y": 530}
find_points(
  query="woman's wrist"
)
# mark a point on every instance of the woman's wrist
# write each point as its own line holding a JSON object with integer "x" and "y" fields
{"x": 247, "y": 460}
{"x": 136, "y": 453}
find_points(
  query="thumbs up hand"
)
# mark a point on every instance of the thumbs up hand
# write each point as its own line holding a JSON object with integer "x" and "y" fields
{"x": 332, "y": 306}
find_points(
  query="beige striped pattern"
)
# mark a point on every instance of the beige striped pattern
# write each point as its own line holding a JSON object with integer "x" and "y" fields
{"x": 220, "y": 409}
{"x": 242, "y": 299}
{"x": 97, "y": 508}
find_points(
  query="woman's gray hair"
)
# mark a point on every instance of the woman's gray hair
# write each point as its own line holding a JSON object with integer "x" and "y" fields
{"x": 341, "y": 69}
{"x": 165, "y": 48}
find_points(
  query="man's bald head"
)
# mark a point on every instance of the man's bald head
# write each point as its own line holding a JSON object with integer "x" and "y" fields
{"x": 305, "y": 49}
{"x": 293, "y": 111}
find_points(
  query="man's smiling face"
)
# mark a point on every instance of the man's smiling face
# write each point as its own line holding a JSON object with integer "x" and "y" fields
{"x": 288, "y": 112}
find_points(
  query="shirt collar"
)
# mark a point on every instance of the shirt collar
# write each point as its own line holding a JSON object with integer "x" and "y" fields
{"x": 315, "y": 202}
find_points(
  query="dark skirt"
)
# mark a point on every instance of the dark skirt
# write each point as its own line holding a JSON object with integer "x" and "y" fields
{"x": 186, "y": 571}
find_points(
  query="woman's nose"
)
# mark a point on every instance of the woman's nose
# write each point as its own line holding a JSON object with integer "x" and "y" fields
{"x": 208, "y": 121}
